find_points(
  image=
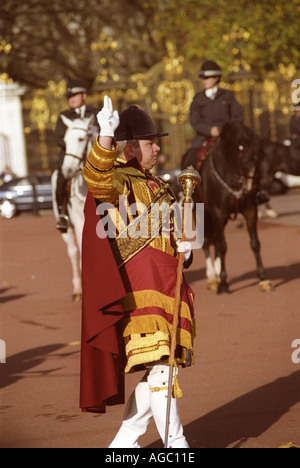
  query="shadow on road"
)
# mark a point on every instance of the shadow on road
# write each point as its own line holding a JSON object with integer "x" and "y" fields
{"x": 18, "y": 364}
{"x": 278, "y": 275}
{"x": 9, "y": 298}
{"x": 246, "y": 417}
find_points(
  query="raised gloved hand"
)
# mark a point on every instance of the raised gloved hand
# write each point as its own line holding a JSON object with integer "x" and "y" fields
{"x": 108, "y": 119}
{"x": 185, "y": 248}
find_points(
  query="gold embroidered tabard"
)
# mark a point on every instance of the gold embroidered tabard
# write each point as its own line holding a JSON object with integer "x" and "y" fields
{"x": 138, "y": 210}
{"x": 122, "y": 186}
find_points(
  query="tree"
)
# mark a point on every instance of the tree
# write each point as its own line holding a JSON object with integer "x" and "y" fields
{"x": 56, "y": 40}
{"x": 203, "y": 29}
{"x": 52, "y": 40}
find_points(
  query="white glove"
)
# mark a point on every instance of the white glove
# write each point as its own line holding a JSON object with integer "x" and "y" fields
{"x": 108, "y": 119}
{"x": 185, "y": 248}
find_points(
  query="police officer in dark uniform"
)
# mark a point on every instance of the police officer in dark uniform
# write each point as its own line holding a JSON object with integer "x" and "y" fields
{"x": 76, "y": 94}
{"x": 295, "y": 132}
{"x": 212, "y": 107}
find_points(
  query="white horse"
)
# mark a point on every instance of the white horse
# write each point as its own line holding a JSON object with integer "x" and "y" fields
{"x": 79, "y": 138}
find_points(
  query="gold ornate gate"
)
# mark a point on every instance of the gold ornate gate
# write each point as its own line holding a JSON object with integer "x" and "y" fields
{"x": 166, "y": 92}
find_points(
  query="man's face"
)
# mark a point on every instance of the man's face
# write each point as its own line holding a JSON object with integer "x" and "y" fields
{"x": 147, "y": 153}
{"x": 77, "y": 100}
{"x": 210, "y": 82}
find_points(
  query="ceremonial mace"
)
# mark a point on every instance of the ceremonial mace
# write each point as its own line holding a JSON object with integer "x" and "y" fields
{"x": 189, "y": 179}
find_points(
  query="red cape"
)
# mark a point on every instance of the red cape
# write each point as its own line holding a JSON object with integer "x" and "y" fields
{"x": 102, "y": 366}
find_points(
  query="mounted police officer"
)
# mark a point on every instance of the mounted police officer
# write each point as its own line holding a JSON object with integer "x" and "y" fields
{"x": 76, "y": 93}
{"x": 212, "y": 107}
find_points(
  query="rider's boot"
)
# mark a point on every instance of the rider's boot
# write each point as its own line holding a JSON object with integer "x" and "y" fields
{"x": 63, "y": 221}
{"x": 262, "y": 198}
{"x": 61, "y": 203}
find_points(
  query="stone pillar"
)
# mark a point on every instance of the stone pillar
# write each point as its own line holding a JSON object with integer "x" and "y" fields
{"x": 12, "y": 139}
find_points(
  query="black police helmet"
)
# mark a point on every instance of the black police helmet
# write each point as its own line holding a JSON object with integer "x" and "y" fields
{"x": 75, "y": 87}
{"x": 210, "y": 69}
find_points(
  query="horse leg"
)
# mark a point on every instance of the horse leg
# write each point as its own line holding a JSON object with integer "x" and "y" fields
{"x": 73, "y": 253}
{"x": 212, "y": 279}
{"x": 211, "y": 276}
{"x": 221, "y": 250}
{"x": 251, "y": 220}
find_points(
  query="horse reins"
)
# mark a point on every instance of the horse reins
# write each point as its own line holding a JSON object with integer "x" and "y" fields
{"x": 82, "y": 158}
{"x": 237, "y": 194}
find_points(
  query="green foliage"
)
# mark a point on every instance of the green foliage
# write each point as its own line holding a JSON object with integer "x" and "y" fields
{"x": 52, "y": 40}
{"x": 271, "y": 30}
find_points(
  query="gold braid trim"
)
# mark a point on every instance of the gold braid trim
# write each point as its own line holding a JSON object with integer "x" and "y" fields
{"x": 127, "y": 244}
{"x": 147, "y": 337}
{"x": 99, "y": 173}
{"x": 102, "y": 159}
{"x": 158, "y": 389}
{"x": 144, "y": 349}
{"x": 141, "y": 300}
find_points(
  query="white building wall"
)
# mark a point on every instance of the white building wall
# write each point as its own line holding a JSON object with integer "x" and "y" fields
{"x": 12, "y": 139}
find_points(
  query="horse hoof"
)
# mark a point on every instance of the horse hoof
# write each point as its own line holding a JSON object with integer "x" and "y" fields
{"x": 223, "y": 288}
{"x": 77, "y": 297}
{"x": 212, "y": 285}
{"x": 266, "y": 286}
{"x": 272, "y": 214}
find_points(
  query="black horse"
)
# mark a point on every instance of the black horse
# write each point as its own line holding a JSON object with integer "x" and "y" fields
{"x": 230, "y": 180}
{"x": 278, "y": 158}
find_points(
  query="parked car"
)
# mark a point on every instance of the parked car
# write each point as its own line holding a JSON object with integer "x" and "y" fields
{"x": 30, "y": 193}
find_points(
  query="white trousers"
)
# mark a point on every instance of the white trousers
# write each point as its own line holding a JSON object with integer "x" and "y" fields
{"x": 145, "y": 404}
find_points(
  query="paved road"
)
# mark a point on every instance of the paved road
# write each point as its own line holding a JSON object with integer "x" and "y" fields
{"x": 287, "y": 208}
{"x": 244, "y": 390}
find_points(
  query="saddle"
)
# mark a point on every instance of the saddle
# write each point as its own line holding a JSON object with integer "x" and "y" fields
{"x": 203, "y": 153}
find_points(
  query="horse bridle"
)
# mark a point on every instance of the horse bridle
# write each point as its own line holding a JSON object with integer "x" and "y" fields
{"x": 237, "y": 194}
{"x": 83, "y": 157}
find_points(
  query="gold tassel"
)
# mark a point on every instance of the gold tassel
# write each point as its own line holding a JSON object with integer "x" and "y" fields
{"x": 177, "y": 392}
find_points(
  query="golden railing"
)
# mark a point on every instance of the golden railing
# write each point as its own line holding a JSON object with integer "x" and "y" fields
{"x": 166, "y": 92}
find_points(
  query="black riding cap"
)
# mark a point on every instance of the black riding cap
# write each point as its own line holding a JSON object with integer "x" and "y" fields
{"x": 136, "y": 124}
{"x": 210, "y": 69}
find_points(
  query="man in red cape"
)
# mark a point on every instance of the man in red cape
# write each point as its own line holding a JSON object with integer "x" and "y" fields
{"x": 129, "y": 280}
